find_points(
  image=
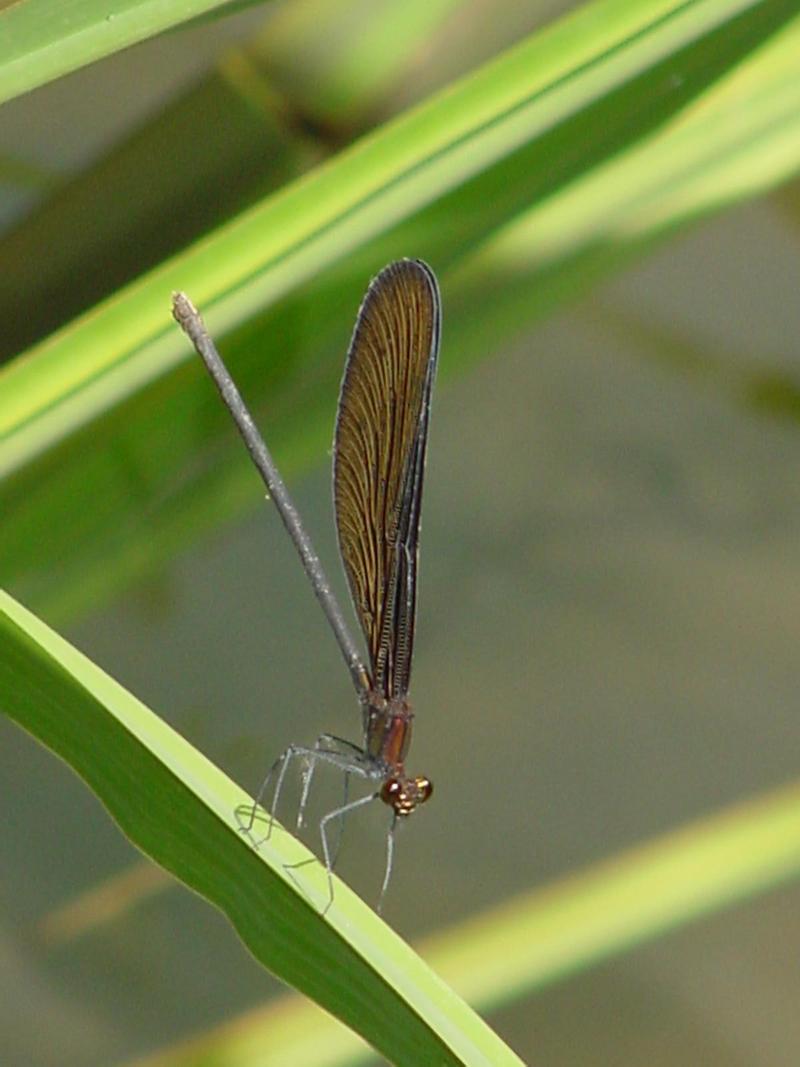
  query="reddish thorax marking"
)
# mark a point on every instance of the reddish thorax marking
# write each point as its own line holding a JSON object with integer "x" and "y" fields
{"x": 388, "y": 728}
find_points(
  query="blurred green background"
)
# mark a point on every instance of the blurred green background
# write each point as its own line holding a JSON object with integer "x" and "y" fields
{"x": 610, "y": 593}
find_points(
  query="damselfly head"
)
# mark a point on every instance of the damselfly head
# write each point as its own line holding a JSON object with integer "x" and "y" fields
{"x": 404, "y": 795}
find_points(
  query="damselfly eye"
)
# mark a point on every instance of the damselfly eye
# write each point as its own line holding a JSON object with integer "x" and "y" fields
{"x": 424, "y": 789}
{"x": 404, "y": 795}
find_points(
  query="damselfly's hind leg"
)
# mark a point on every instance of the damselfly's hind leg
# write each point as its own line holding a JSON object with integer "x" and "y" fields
{"x": 255, "y": 811}
{"x": 327, "y": 749}
{"x": 350, "y": 759}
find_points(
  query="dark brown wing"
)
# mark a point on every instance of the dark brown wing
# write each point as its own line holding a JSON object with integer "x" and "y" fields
{"x": 379, "y": 460}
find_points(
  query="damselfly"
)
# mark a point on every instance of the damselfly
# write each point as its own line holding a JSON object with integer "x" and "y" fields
{"x": 379, "y": 450}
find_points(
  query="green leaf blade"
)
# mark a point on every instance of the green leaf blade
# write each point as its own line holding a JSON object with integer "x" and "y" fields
{"x": 179, "y": 809}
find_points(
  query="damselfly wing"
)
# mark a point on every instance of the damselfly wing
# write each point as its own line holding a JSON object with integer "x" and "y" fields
{"x": 378, "y": 470}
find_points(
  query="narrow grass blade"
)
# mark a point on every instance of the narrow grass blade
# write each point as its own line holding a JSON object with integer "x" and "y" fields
{"x": 180, "y": 810}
